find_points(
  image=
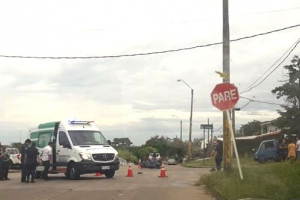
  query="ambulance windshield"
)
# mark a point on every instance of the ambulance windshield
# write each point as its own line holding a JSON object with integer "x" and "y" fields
{"x": 83, "y": 137}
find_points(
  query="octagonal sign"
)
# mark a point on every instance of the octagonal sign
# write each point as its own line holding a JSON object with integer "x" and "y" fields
{"x": 224, "y": 96}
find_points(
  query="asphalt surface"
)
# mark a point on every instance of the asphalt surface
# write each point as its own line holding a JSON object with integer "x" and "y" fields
{"x": 179, "y": 185}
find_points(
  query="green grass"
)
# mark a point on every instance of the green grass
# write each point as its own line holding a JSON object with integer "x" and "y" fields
{"x": 274, "y": 181}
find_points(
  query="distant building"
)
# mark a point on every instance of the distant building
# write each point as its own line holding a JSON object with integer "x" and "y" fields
{"x": 121, "y": 142}
{"x": 267, "y": 127}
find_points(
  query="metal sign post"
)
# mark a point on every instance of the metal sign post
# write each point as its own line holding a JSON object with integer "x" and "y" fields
{"x": 234, "y": 146}
{"x": 224, "y": 97}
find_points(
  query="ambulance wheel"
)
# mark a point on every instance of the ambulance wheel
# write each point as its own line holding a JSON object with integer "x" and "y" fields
{"x": 73, "y": 171}
{"x": 110, "y": 175}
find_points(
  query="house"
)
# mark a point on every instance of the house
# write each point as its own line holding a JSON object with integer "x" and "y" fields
{"x": 267, "y": 127}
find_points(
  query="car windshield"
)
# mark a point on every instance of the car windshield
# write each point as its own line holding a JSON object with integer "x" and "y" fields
{"x": 87, "y": 138}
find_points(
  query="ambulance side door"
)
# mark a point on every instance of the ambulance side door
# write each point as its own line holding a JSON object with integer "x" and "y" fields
{"x": 63, "y": 149}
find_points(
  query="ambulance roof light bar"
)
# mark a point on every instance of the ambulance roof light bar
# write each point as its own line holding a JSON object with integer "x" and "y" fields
{"x": 79, "y": 122}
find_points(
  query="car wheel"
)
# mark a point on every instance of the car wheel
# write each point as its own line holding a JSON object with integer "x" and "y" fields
{"x": 110, "y": 175}
{"x": 73, "y": 172}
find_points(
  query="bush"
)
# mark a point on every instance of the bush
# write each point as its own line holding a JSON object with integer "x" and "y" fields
{"x": 144, "y": 152}
{"x": 128, "y": 156}
{"x": 276, "y": 181}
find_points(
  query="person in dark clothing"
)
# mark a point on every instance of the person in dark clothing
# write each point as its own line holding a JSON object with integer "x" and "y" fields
{"x": 1, "y": 167}
{"x": 283, "y": 150}
{"x": 5, "y": 160}
{"x": 31, "y": 161}
{"x": 23, "y": 165}
{"x": 219, "y": 154}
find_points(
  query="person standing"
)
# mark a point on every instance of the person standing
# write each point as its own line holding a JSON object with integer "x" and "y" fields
{"x": 283, "y": 150}
{"x": 219, "y": 155}
{"x": 298, "y": 148}
{"x": 292, "y": 151}
{"x": 23, "y": 165}
{"x": 31, "y": 160}
{"x": 46, "y": 159}
{"x": 5, "y": 161}
{"x": 1, "y": 167}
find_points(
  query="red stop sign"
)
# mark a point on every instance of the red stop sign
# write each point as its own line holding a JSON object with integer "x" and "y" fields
{"x": 224, "y": 96}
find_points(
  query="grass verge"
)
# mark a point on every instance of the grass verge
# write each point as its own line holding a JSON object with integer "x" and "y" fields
{"x": 274, "y": 181}
{"x": 245, "y": 162}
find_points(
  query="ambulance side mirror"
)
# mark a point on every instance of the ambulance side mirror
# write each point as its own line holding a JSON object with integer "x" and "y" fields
{"x": 109, "y": 142}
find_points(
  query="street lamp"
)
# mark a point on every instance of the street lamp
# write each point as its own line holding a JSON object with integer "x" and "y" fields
{"x": 191, "y": 119}
{"x": 180, "y": 126}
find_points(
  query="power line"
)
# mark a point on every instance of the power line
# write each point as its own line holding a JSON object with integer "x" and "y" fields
{"x": 293, "y": 48}
{"x": 271, "y": 66}
{"x": 218, "y": 129}
{"x": 147, "y": 53}
{"x": 265, "y": 102}
{"x": 246, "y": 104}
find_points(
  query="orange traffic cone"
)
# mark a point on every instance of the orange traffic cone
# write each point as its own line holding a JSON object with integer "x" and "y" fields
{"x": 163, "y": 171}
{"x": 130, "y": 172}
{"x": 97, "y": 174}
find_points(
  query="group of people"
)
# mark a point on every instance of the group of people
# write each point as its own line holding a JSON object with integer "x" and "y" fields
{"x": 30, "y": 159}
{"x": 289, "y": 151}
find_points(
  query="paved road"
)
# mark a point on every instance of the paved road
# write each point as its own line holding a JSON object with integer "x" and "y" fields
{"x": 180, "y": 184}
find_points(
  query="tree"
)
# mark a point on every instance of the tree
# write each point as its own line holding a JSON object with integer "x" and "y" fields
{"x": 159, "y": 143}
{"x": 252, "y": 128}
{"x": 17, "y": 145}
{"x": 144, "y": 152}
{"x": 126, "y": 155}
{"x": 176, "y": 146}
{"x": 290, "y": 92}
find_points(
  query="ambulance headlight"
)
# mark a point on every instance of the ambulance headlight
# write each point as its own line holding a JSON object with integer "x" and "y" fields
{"x": 85, "y": 156}
{"x": 117, "y": 156}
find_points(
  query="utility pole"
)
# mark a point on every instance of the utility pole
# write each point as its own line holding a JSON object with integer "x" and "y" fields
{"x": 212, "y": 130}
{"x": 20, "y": 136}
{"x": 208, "y": 136}
{"x": 191, "y": 122}
{"x": 181, "y": 130}
{"x": 204, "y": 151}
{"x": 191, "y": 119}
{"x": 180, "y": 126}
{"x": 226, "y": 70}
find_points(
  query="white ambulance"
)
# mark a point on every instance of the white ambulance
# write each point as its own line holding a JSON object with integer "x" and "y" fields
{"x": 79, "y": 148}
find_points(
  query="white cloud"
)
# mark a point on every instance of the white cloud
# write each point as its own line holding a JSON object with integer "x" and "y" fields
{"x": 134, "y": 96}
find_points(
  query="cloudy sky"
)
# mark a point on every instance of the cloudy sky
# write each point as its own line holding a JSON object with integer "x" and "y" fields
{"x": 136, "y": 97}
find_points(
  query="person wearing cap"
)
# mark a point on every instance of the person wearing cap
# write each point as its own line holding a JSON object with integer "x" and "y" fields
{"x": 31, "y": 160}
{"x": 23, "y": 165}
{"x": 46, "y": 159}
